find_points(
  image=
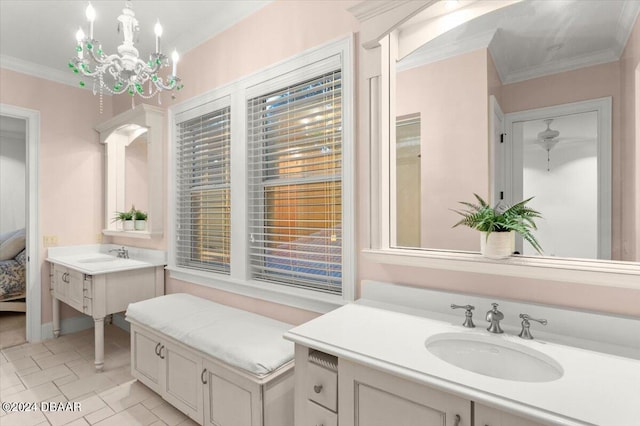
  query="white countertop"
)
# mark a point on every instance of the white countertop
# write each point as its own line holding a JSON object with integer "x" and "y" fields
{"x": 596, "y": 388}
{"x": 94, "y": 259}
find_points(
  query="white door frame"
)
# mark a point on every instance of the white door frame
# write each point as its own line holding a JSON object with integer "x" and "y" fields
{"x": 602, "y": 107}
{"x": 34, "y": 296}
{"x": 499, "y": 168}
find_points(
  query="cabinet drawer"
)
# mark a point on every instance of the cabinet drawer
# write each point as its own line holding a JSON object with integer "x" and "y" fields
{"x": 319, "y": 416}
{"x": 322, "y": 386}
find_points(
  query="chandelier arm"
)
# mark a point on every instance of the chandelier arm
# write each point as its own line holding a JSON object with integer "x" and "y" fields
{"x": 172, "y": 83}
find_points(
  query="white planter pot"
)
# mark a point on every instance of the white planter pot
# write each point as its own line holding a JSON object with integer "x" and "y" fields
{"x": 141, "y": 225}
{"x": 128, "y": 225}
{"x": 499, "y": 245}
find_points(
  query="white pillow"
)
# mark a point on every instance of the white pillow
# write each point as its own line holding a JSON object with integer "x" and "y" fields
{"x": 6, "y": 235}
{"x": 13, "y": 245}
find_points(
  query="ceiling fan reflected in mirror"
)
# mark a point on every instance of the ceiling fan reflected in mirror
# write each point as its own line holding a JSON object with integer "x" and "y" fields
{"x": 548, "y": 139}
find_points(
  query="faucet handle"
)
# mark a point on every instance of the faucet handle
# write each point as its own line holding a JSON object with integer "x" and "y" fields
{"x": 494, "y": 313}
{"x": 468, "y": 315}
{"x": 525, "y": 333}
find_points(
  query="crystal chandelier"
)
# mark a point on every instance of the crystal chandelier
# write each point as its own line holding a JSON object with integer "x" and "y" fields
{"x": 124, "y": 71}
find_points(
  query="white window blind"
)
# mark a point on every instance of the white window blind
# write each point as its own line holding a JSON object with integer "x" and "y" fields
{"x": 295, "y": 184}
{"x": 202, "y": 192}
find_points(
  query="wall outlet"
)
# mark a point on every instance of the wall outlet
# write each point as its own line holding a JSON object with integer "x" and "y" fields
{"x": 50, "y": 240}
{"x": 99, "y": 237}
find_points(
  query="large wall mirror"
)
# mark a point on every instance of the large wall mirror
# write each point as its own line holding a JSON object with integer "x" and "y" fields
{"x": 134, "y": 169}
{"x": 536, "y": 98}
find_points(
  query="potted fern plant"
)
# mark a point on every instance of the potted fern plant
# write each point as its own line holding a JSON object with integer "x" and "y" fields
{"x": 498, "y": 226}
{"x": 140, "y": 219}
{"x": 126, "y": 218}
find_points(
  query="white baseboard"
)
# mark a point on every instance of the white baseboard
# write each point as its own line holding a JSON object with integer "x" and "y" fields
{"x": 75, "y": 324}
{"x": 67, "y": 326}
{"x": 119, "y": 321}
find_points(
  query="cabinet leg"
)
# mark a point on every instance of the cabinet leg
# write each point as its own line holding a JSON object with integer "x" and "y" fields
{"x": 99, "y": 342}
{"x": 56, "y": 316}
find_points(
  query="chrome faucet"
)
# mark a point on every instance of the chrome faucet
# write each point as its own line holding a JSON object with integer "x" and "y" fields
{"x": 123, "y": 253}
{"x": 468, "y": 320}
{"x": 494, "y": 316}
{"x": 525, "y": 334}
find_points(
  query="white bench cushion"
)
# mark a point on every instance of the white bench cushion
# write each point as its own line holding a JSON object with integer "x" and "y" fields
{"x": 239, "y": 338}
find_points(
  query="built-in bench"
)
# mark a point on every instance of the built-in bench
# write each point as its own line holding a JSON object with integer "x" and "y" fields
{"x": 219, "y": 365}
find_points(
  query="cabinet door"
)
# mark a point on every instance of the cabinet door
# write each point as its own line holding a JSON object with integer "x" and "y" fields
{"x": 371, "y": 398}
{"x": 75, "y": 290}
{"x": 485, "y": 416}
{"x": 58, "y": 284}
{"x": 182, "y": 386}
{"x": 146, "y": 364}
{"x": 230, "y": 399}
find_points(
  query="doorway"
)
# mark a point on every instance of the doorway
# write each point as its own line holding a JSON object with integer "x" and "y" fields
{"x": 561, "y": 155}
{"x": 13, "y": 162}
{"x": 31, "y": 124}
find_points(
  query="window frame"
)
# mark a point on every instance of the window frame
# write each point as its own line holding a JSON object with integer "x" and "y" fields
{"x": 237, "y": 94}
{"x": 187, "y": 116}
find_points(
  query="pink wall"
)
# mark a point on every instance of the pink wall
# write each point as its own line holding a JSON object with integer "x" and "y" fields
{"x": 71, "y": 163}
{"x": 435, "y": 90}
{"x": 493, "y": 79}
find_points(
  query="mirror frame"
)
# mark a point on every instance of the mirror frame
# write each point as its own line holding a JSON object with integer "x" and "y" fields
{"x": 380, "y": 22}
{"x": 151, "y": 118}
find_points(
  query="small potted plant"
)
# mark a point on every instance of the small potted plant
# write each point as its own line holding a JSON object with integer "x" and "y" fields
{"x": 498, "y": 226}
{"x": 126, "y": 218}
{"x": 140, "y": 219}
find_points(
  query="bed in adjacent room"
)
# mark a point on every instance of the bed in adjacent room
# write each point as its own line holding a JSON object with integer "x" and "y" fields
{"x": 13, "y": 282}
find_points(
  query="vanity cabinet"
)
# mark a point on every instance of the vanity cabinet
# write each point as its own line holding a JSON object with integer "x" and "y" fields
{"x": 99, "y": 295}
{"x": 487, "y": 416}
{"x": 208, "y": 391}
{"x": 73, "y": 288}
{"x": 335, "y": 392}
{"x": 170, "y": 371}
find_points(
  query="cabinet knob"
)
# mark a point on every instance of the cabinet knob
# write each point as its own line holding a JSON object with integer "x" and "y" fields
{"x": 317, "y": 388}
{"x": 202, "y": 377}
{"x": 456, "y": 421}
{"x": 160, "y": 352}
{"x": 156, "y": 350}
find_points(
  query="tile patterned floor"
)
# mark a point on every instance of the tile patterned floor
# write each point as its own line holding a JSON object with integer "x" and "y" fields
{"x": 12, "y": 329}
{"x": 61, "y": 370}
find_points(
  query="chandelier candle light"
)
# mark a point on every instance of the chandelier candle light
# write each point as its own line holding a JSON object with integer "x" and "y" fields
{"x": 124, "y": 71}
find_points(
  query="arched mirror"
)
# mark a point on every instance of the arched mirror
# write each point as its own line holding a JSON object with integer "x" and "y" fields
{"x": 134, "y": 163}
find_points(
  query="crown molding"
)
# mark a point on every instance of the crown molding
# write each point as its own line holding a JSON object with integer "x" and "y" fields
{"x": 366, "y": 10}
{"x": 458, "y": 47}
{"x": 596, "y": 58}
{"x": 628, "y": 16}
{"x": 40, "y": 71}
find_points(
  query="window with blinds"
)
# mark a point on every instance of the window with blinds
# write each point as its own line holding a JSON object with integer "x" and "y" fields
{"x": 203, "y": 210}
{"x": 295, "y": 185}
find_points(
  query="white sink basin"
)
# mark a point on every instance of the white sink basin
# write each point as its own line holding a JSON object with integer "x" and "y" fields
{"x": 99, "y": 258}
{"x": 494, "y": 356}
